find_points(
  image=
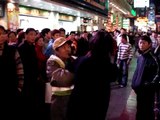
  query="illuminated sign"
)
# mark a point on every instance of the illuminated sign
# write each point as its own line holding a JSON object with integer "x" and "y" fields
{"x": 133, "y": 12}
{"x": 141, "y": 3}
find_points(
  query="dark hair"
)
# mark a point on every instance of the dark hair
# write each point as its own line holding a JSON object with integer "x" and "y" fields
{"x": 124, "y": 36}
{"x": 72, "y": 32}
{"x": 20, "y": 38}
{"x": 54, "y": 32}
{"x": 11, "y": 33}
{"x": 1, "y": 27}
{"x": 123, "y": 29}
{"x": 29, "y": 30}
{"x": 45, "y": 31}
{"x": 62, "y": 29}
{"x": 19, "y": 30}
{"x": 38, "y": 37}
{"x": 146, "y": 38}
{"x": 101, "y": 43}
{"x": 117, "y": 31}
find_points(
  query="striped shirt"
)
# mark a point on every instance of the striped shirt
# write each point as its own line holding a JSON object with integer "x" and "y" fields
{"x": 125, "y": 51}
{"x": 19, "y": 66}
{"x": 1, "y": 49}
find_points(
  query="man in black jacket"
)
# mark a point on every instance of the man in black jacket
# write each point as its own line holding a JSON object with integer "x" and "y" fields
{"x": 11, "y": 76}
{"x": 143, "y": 82}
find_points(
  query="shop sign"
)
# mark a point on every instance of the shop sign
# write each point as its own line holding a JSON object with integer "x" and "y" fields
{"x": 141, "y": 3}
{"x": 33, "y": 12}
{"x": 65, "y": 17}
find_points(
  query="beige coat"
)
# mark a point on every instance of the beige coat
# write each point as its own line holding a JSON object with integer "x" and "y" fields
{"x": 60, "y": 78}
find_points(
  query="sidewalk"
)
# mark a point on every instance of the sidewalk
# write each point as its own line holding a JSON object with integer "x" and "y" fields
{"x": 123, "y": 100}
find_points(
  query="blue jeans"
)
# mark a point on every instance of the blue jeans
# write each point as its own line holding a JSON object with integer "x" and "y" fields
{"x": 123, "y": 72}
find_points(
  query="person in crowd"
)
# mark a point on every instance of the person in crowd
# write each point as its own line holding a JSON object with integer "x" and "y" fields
{"x": 30, "y": 64}
{"x": 42, "y": 78}
{"x": 122, "y": 31}
{"x": 74, "y": 42}
{"x": 12, "y": 78}
{"x": 62, "y": 32}
{"x": 82, "y": 45}
{"x": 116, "y": 34}
{"x": 54, "y": 35}
{"x": 144, "y": 80}
{"x": 89, "y": 99}
{"x": 124, "y": 58}
{"x": 18, "y": 31}
{"x": 154, "y": 40}
{"x": 157, "y": 87}
{"x": 20, "y": 38}
{"x": 12, "y": 39}
{"x": 131, "y": 38}
{"x": 46, "y": 33}
{"x": 136, "y": 39}
{"x": 60, "y": 71}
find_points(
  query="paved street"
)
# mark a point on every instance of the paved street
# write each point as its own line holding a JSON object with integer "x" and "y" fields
{"x": 123, "y": 102}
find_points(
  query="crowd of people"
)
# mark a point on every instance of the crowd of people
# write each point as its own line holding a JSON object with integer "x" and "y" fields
{"x": 49, "y": 75}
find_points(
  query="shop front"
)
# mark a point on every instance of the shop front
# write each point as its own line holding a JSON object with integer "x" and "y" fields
{"x": 41, "y": 14}
{"x": 36, "y": 18}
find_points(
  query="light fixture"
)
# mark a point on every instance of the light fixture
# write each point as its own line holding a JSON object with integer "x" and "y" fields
{"x": 115, "y": 6}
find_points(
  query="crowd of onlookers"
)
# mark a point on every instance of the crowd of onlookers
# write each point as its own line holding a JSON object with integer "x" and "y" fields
{"x": 48, "y": 75}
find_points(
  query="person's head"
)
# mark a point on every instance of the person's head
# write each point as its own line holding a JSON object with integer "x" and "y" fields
{"x": 154, "y": 34}
{"x": 144, "y": 43}
{"x": 62, "y": 48}
{"x": 2, "y": 30}
{"x": 30, "y": 35}
{"x": 3, "y": 35}
{"x": 77, "y": 36}
{"x": 12, "y": 36}
{"x": 39, "y": 40}
{"x": 101, "y": 44}
{"x": 116, "y": 32}
{"x": 123, "y": 31}
{"x": 62, "y": 32}
{"x": 46, "y": 33}
{"x": 21, "y": 37}
{"x": 55, "y": 34}
{"x": 19, "y": 31}
{"x": 85, "y": 34}
{"x": 72, "y": 35}
{"x": 124, "y": 38}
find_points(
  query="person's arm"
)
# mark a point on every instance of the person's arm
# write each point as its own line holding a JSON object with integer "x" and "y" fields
{"x": 130, "y": 54}
{"x": 20, "y": 71}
